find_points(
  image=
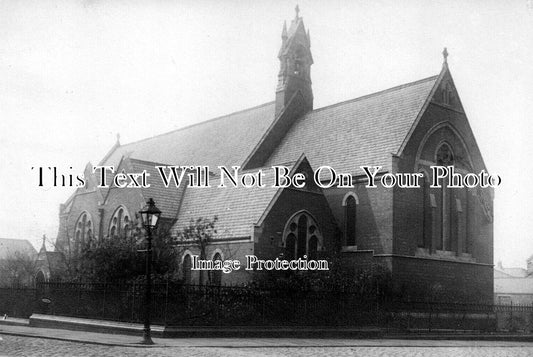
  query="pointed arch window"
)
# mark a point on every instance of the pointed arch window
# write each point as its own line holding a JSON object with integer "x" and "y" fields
{"x": 444, "y": 157}
{"x": 84, "y": 230}
{"x": 448, "y": 94}
{"x": 187, "y": 265}
{"x": 302, "y": 237}
{"x": 120, "y": 224}
{"x": 290, "y": 247}
{"x": 215, "y": 276}
{"x": 350, "y": 219}
{"x": 424, "y": 239}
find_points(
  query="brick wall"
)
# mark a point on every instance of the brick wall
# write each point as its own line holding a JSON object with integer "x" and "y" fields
{"x": 443, "y": 280}
{"x": 374, "y": 216}
{"x": 268, "y": 242}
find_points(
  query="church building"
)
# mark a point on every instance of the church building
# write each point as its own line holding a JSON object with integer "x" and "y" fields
{"x": 436, "y": 241}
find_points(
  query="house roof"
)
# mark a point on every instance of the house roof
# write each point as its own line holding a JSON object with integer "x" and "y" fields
{"x": 225, "y": 140}
{"x": 513, "y": 285}
{"x": 237, "y": 208}
{"x": 513, "y": 272}
{"x": 9, "y": 247}
{"x": 361, "y": 131}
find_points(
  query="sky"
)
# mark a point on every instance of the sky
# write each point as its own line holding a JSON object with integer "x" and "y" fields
{"x": 74, "y": 74}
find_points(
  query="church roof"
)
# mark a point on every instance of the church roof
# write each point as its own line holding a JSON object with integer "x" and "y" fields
{"x": 167, "y": 198}
{"x": 346, "y": 135}
{"x": 9, "y": 247}
{"x": 361, "y": 131}
{"x": 225, "y": 140}
{"x": 236, "y": 208}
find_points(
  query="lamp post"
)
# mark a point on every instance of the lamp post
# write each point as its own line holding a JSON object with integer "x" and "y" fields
{"x": 149, "y": 215}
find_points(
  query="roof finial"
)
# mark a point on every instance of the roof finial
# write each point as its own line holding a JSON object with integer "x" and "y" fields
{"x": 118, "y": 138}
{"x": 445, "y": 55}
{"x": 297, "y": 9}
{"x": 44, "y": 242}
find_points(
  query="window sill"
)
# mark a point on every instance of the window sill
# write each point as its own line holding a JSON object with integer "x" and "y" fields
{"x": 349, "y": 248}
{"x": 445, "y": 255}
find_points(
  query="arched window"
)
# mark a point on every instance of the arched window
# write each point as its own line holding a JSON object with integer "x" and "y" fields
{"x": 301, "y": 243}
{"x": 448, "y": 94}
{"x": 350, "y": 203}
{"x": 444, "y": 157}
{"x": 84, "y": 230}
{"x": 187, "y": 265}
{"x": 215, "y": 276}
{"x": 290, "y": 246}
{"x": 424, "y": 239}
{"x": 312, "y": 247}
{"x": 301, "y": 237}
{"x": 447, "y": 219}
{"x": 350, "y": 218}
{"x": 120, "y": 225}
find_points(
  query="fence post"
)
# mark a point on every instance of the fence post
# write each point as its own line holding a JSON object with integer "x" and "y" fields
{"x": 79, "y": 299}
{"x": 430, "y": 311}
{"x": 511, "y": 323}
{"x": 166, "y": 305}
{"x": 103, "y": 302}
{"x": 133, "y": 293}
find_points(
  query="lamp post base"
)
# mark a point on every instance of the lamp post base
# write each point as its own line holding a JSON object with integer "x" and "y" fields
{"x": 147, "y": 338}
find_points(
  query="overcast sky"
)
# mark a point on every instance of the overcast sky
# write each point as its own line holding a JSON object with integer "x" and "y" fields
{"x": 73, "y": 74}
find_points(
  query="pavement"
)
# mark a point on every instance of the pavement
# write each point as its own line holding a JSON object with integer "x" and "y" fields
{"x": 18, "y": 338}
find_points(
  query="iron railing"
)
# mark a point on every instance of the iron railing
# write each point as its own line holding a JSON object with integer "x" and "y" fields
{"x": 195, "y": 305}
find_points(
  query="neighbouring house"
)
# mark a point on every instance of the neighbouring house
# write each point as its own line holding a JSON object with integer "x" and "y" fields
{"x": 49, "y": 265}
{"x": 513, "y": 285}
{"x": 17, "y": 262}
{"x": 434, "y": 241}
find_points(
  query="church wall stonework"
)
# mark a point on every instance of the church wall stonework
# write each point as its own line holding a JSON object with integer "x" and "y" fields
{"x": 420, "y": 278}
{"x": 395, "y": 228}
{"x": 373, "y": 218}
{"x": 291, "y": 201}
{"x": 456, "y": 269}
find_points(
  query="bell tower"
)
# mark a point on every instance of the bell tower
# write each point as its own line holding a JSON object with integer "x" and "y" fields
{"x": 295, "y": 64}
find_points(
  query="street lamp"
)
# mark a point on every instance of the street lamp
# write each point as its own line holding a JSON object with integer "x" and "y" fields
{"x": 149, "y": 215}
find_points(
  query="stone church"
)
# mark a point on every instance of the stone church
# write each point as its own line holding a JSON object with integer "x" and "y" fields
{"x": 437, "y": 240}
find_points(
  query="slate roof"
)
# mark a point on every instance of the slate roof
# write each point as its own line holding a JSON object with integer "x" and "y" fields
{"x": 225, "y": 140}
{"x": 362, "y": 131}
{"x": 9, "y": 247}
{"x": 166, "y": 198}
{"x": 514, "y": 272}
{"x": 237, "y": 208}
{"x": 501, "y": 272}
{"x": 513, "y": 286}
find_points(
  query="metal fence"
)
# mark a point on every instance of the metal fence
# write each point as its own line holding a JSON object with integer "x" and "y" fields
{"x": 193, "y": 305}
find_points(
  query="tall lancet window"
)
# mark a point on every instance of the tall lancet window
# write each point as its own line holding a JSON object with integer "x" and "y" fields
{"x": 120, "y": 225}
{"x": 424, "y": 239}
{"x": 350, "y": 219}
{"x": 302, "y": 237}
{"x": 444, "y": 157}
{"x": 84, "y": 230}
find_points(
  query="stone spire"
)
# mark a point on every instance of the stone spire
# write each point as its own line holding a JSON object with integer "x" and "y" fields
{"x": 295, "y": 64}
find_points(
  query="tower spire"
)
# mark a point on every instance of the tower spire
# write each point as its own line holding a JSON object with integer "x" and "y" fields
{"x": 43, "y": 248}
{"x": 445, "y": 56}
{"x": 295, "y": 64}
